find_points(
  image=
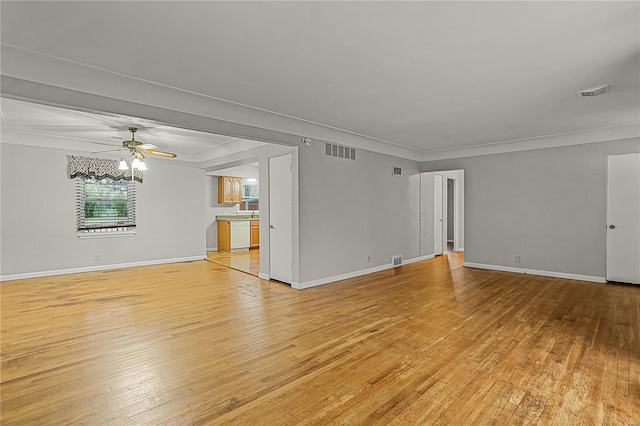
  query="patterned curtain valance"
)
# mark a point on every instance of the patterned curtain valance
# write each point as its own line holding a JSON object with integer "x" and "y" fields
{"x": 99, "y": 168}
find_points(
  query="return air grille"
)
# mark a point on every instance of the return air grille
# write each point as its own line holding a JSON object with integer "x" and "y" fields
{"x": 594, "y": 91}
{"x": 339, "y": 151}
{"x": 396, "y": 260}
{"x": 397, "y": 171}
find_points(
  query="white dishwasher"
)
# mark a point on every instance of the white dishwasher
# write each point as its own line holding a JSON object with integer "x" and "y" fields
{"x": 240, "y": 237}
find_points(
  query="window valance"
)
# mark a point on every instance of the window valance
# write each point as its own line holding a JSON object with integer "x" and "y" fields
{"x": 99, "y": 168}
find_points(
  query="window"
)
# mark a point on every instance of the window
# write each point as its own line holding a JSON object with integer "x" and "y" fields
{"x": 105, "y": 205}
{"x": 250, "y": 196}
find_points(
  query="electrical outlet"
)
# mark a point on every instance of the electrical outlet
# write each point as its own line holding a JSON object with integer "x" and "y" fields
{"x": 195, "y": 202}
{"x": 96, "y": 258}
{"x": 518, "y": 259}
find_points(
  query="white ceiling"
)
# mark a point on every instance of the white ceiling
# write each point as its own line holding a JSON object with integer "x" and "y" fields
{"x": 424, "y": 75}
{"x": 98, "y": 132}
{"x": 246, "y": 171}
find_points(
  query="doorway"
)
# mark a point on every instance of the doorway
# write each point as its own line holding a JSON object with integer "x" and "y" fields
{"x": 243, "y": 254}
{"x": 445, "y": 216}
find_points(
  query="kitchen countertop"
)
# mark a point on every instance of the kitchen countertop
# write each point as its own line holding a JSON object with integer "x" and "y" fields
{"x": 237, "y": 217}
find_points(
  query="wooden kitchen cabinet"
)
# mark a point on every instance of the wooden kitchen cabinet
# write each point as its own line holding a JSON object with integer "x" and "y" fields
{"x": 224, "y": 236}
{"x": 255, "y": 234}
{"x": 229, "y": 190}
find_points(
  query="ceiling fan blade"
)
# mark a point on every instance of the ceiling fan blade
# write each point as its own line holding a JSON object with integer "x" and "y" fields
{"x": 161, "y": 153}
{"x": 105, "y": 144}
{"x": 110, "y": 150}
{"x": 139, "y": 155}
{"x": 69, "y": 128}
{"x": 147, "y": 146}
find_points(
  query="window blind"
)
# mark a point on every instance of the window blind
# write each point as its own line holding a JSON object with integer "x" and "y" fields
{"x": 105, "y": 205}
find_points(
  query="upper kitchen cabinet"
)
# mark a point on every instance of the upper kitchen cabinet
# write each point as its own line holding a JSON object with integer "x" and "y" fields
{"x": 229, "y": 190}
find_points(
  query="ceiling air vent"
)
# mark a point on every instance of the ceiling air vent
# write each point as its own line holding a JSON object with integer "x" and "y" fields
{"x": 594, "y": 91}
{"x": 397, "y": 171}
{"x": 339, "y": 151}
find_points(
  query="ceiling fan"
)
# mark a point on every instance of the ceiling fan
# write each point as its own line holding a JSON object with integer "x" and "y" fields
{"x": 137, "y": 149}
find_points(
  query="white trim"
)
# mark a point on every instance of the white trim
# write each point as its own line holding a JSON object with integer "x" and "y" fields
{"x": 536, "y": 272}
{"x": 626, "y": 131}
{"x": 418, "y": 259}
{"x": 97, "y": 268}
{"x": 354, "y": 274}
{"x": 460, "y": 249}
{"x": 212, "y": 248}
{"x": 264, "y": 276}
{"x": 115, "y": 234}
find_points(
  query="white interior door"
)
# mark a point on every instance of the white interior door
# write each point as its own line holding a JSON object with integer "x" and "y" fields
{"x": 623, "y": 218}
{"x": 437, "y": 214}
{"x": 280, "y": 220}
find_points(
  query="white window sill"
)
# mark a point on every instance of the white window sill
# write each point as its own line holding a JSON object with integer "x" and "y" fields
{"x": 117, "y": 234}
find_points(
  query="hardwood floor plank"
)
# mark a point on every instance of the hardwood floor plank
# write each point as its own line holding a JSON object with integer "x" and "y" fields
{"x": 426, "y": 343}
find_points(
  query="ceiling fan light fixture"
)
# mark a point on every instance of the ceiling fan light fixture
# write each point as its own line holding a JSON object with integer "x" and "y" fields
{"x": 141, "y": 165}
{"x": 135, "y": 163}
{"x": 123, "y": 165}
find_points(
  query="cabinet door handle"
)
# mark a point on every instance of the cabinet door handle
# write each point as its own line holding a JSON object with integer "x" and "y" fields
{"x": 272, "y": 227}
{"x": 612, "y": 227}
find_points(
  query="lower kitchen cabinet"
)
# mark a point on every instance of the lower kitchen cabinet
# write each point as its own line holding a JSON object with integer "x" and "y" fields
{"x": 255, "y": 234}
{"x": 235, "y": 235}
{"x": 224, "y": 236}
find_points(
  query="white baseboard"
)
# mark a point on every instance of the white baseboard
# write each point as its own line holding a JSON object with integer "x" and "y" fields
{"x": 97, "y": 268}
{"x": 449, "y": 241}
{"x": 264, "y": 276}
{"x": 418, "y": 259}
{"x": 334, "y": 278}
{"x": 212, "y": 248}
{"x": 461, "y": 249}
{"x": 536, "y": 272}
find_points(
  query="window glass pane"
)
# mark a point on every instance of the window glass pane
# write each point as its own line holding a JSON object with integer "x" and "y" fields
{"x": 250, "y": 196}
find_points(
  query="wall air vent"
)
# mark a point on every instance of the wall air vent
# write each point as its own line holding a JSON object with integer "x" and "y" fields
{"x": 594, "y": 91}
{"x": 397, "y": 171}
{"x": 396, "y": 260}
{"x": 339, "y": 151}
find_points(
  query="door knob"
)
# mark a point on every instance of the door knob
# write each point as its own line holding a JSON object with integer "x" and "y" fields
{"x": 272, "y": 227}
{"x": 612, "y": 227}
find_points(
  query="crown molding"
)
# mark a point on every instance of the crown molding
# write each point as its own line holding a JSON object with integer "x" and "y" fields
{"x": 627, "y": 131}
{"x": 41, "y": 78}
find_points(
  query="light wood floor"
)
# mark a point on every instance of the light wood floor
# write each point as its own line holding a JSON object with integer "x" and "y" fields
{"x": 426, "y": 343}
{"x": 245, "y": 261}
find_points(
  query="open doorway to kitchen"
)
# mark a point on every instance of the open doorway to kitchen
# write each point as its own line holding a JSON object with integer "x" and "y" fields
{"x": 233, "y": 216}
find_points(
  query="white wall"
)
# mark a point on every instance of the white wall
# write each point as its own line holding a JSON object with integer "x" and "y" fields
{"x": 547, "y": 206}
{"x": 38, "y": 215}
{"x": 351, "y": 211}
